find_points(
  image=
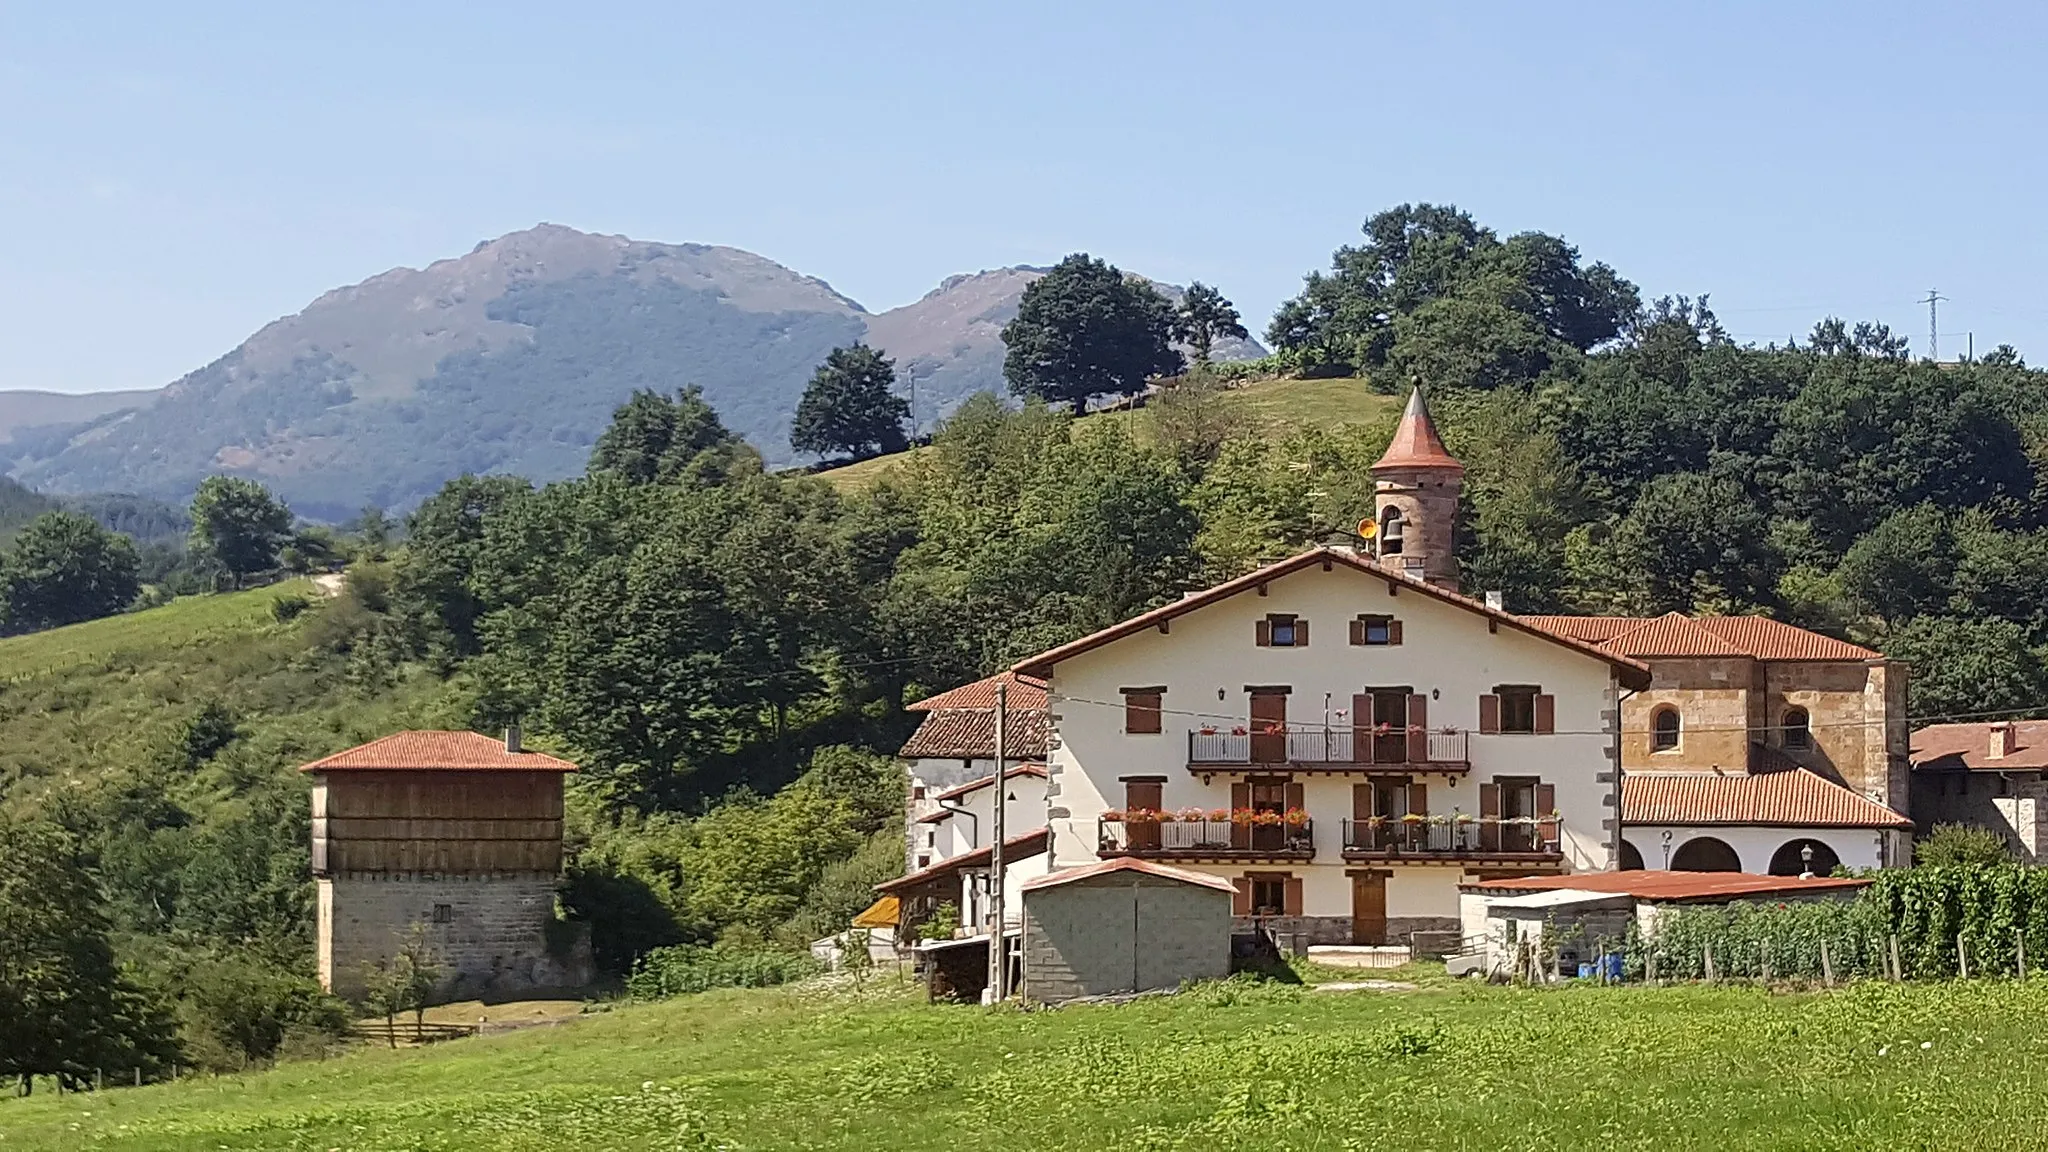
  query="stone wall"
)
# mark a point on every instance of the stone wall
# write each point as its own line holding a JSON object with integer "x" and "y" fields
{"x": 490, "y": 935}
{"x": 1113, "y": 934}
{"x": 2009, "y": 803}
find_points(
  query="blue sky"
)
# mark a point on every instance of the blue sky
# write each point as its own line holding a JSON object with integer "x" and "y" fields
{"x": 174, "y": 176}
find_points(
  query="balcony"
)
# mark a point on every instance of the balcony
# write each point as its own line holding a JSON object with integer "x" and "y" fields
{"x": 1238, "y": 837}
{"x": 1526, "y": 840}
{"x": 1297, "y": 749}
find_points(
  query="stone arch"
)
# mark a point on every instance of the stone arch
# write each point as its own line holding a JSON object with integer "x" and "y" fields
{"x": 1797, "y": 728}
{"x": 1664, "y": 729}
{"x": 1631, "y": 857}
{"x": 1787, "y": 861}
{"x": 1705, "y": 854}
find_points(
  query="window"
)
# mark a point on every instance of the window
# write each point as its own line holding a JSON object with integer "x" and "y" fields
{"x": 444, "y": 913}
{"x": 1798, "y": 731}
{"x": 1664, "y": 730}
{"x": 1390, "y": 531}
{"x": 1269, "y": 895}
{"x": 1517, "y": 707}
{"x": 1142, "y": 711}
{"x": 1282, "y": 630}
{"x": 1375, "y": 630}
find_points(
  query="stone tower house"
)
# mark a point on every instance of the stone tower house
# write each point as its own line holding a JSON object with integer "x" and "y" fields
{"x": 454, "y": 838}
{"x": 1416, "y": 486}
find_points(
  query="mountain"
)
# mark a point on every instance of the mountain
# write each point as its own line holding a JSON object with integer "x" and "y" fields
{"x": 511, "y": 359}
{"x": 26, "y": 410}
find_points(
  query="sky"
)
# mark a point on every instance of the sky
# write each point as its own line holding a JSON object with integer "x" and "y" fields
{"x": 172, "y": 177}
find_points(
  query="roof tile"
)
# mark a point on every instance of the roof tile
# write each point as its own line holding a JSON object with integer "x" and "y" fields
{"x": 1662, "y": 885}
{"x": 970, "y": 734}
{"x": 1025, "y": 692}
{"x": 437, "y": 751}
{"x": 1758, "y": 637}
{"x": 1794, "y": 799}
{"x": 1939, "y": 747}
{"x": 1127, "y": 864}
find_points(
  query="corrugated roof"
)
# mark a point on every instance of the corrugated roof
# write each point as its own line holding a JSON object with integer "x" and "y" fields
{"x": 1954, "y": 747}
{"x": 1014, "y": 849}
{"x": 1758, "y": 637}
{"x": 970, "y": 734}
{"x": 1794, "y": 799}
{"x": 1025, "y": 692}
{"x": 444, "y": 751}
{"x": 1659, "y": 885}
{"x": 1634, "y": 674}
{"x": 1415, "y": 443}
{"x": 1126, "y": 864}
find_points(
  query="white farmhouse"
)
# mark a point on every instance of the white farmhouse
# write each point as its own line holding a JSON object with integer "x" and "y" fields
{"x": 1345, "y": 738}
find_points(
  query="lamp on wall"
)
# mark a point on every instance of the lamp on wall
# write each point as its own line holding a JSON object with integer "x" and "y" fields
{"x": 1806, "y": 861}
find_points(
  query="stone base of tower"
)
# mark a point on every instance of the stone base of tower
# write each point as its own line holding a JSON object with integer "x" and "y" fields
{"x": 491, "y": 937}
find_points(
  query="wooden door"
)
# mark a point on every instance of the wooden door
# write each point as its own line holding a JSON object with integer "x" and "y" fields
{"x": 1269, "y": 728}
{"x": 1142, "y": 798}
{"x": 1369, "y": 908}
{"x": 1390, "y": 725}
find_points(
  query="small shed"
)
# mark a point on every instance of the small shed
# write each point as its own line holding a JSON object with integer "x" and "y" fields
{"x": 1124, "y": 925}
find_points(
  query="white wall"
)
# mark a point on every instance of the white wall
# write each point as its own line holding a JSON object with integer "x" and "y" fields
{"x": 1208, "y": 658}
{"x": 1858, "y": 847}
{"x": 958, "y": 833}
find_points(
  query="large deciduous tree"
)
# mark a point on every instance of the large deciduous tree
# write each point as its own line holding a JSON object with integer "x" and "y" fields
{"x": 239, "y": 525}
{"x": 849, "y": 408}
{"x": 64, "y": 568}
{"x": 1203, "y": 318}
{"x": 655, "y": 439}
{"x": 1085, "y": 329}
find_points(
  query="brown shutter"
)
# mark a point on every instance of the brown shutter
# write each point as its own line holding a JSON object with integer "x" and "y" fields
{"x": 1295, "y": 798}
{"x": 1357, "y": 632}
{"x": 1142, "y": 713}
{"x": 1393, "y": 631}
{"x": 1546, "y": 803}
{"x": 1546, "y": 713}
{"x": 1240, "y": 800}
{"x": 1418, "y": 729}
{"x": 1361, "y": 802}
{"x": 1300, "y": 633}
{"x": 1361, "y": 728}
{"x": 1489, "y": 809}
{"x": 1263, "y": 633}
{"x": 1418, "y": 798}
{"x": 1489, "y": 713}
{"x": 1240, "y": 895}
{"x": 1293, "y": 905}
{"x": 1142, "y": 835}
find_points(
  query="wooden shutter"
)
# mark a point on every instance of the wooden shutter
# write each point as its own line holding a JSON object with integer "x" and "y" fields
{"x": 1418, "y": 729}
{"x": 1293, "y": 905}
{"x": 1262, "y": 633}
{"x": 1300, "y": 632}
{"x": 1393, "y": 631}
{"x": 1142, "y": 713}
{"x": 1361, "y": 728}
{"x": 1361, "y": 802}
{"x": 1489, "y": 809}
{"x": 1546, "y": 713}
{"x": 1418, "y": 798}
{"x": 1295, "y": 798}
{"x": 1546, "y": 803}
{"x": 1240, "y": 895}
{"x": 1357, "y": 633}
{"x": 1240, "y": 800}
{"x": 1489, "y": 713}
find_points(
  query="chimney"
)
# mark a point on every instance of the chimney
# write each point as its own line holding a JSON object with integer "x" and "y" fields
{"x": 2004, "y": 740}
{"x": 512, "y": 739}
{"x": 1498, "y": 601}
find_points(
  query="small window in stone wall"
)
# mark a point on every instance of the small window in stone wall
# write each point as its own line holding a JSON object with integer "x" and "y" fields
{"x": 1269, "y": 895}
{"x": 1798, "y": 729}
{"x": 1664, "y": 730}
{"x": 444, "y": 913}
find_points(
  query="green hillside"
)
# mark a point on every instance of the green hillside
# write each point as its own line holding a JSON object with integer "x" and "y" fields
{"x": 1271, "y": 406}
{"x": 1226, "y": 1066}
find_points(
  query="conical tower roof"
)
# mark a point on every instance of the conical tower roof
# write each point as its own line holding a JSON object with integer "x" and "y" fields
{"x": 1416, "y": 444}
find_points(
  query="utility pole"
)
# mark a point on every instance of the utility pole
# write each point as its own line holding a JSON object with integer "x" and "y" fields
{"x": 998, "y": 958}
{"x": 1934, "y": 298}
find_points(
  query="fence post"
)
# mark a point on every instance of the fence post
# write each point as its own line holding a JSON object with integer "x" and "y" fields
{"x": 138, "y": 1075}
{"x": 1765, "y": 961}
{"x": 1898, "y": 970}
{"x": 1962, "y": 958}
{"x": 1707, "y": 960}
{"x": 99, "y": 1079}
{"x": 2019, "y": 938}
{"x": 1827, "y": 965}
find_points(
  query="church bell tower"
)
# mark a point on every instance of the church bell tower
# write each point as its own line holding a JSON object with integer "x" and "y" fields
{"x": 1416, "y": 486}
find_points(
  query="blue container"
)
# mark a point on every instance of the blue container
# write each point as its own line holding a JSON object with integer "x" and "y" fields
{"x": 1612, "y": 962}
{"x": 1588, "y": 972}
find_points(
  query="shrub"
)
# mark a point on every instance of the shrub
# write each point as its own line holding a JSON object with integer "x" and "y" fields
{"x": 945, "y": 920}
{"x": 687, "y": 968}
{"x": 1961, "y": 844}
{"x": 285, "y": 609}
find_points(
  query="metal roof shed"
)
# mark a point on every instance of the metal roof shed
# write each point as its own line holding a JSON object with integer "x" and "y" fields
{"x": 1124, "y": 925}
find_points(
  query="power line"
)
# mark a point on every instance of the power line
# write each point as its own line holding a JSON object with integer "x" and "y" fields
{"x": 1933, "y": 301}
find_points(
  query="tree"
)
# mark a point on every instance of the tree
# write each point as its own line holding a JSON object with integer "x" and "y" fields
{"x": 64, "y": 568}
{"x": 1966, "y": 667}
{"x": 849, "y": 407}
{"x": 1960, "y": 844}
{"x": 1203, "y": 318}
{"x": 444, "y": 538}
{"x": 1085, "y": 329}
{"x": 239, "y": 525}
{"x": 655, "y": 440}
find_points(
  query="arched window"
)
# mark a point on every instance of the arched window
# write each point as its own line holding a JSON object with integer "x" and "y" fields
{"x": 1390, "y": 531}
{"x": 1705, "y": 854}
{"x": 1631, "y": 857}
{"x": 1797, "y": 856}
{"x": 1797, "y": 728}
{"x": 1664, "y": 730}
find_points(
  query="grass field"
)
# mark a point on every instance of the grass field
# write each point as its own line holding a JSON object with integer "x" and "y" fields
{"x": 1223, "y": 1067}
{"x": 1272, "y": 406}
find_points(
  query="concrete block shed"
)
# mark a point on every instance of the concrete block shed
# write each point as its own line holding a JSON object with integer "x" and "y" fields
{"x": 1124, "y": 925}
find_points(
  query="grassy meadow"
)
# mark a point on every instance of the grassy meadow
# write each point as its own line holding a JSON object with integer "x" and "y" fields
{"x": 1228, "y": 1066}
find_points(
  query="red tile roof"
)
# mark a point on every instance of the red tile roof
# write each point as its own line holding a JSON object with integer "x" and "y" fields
{"x": 1953, "y": 747}
{"x": 1415, "y": 443}
{"x": 1659, "y": 885}
{"x": 1675, "y": 634}
{"x": 1014, "y": 849}
{"x": 1127, "y": 864}
{"x": 970, "y": 734}
{"x": 1795, "y": 799}
{"x": 1025, "y": 692}
{"x": 429, "y": 751}
{"x": 1634, "y": 674}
